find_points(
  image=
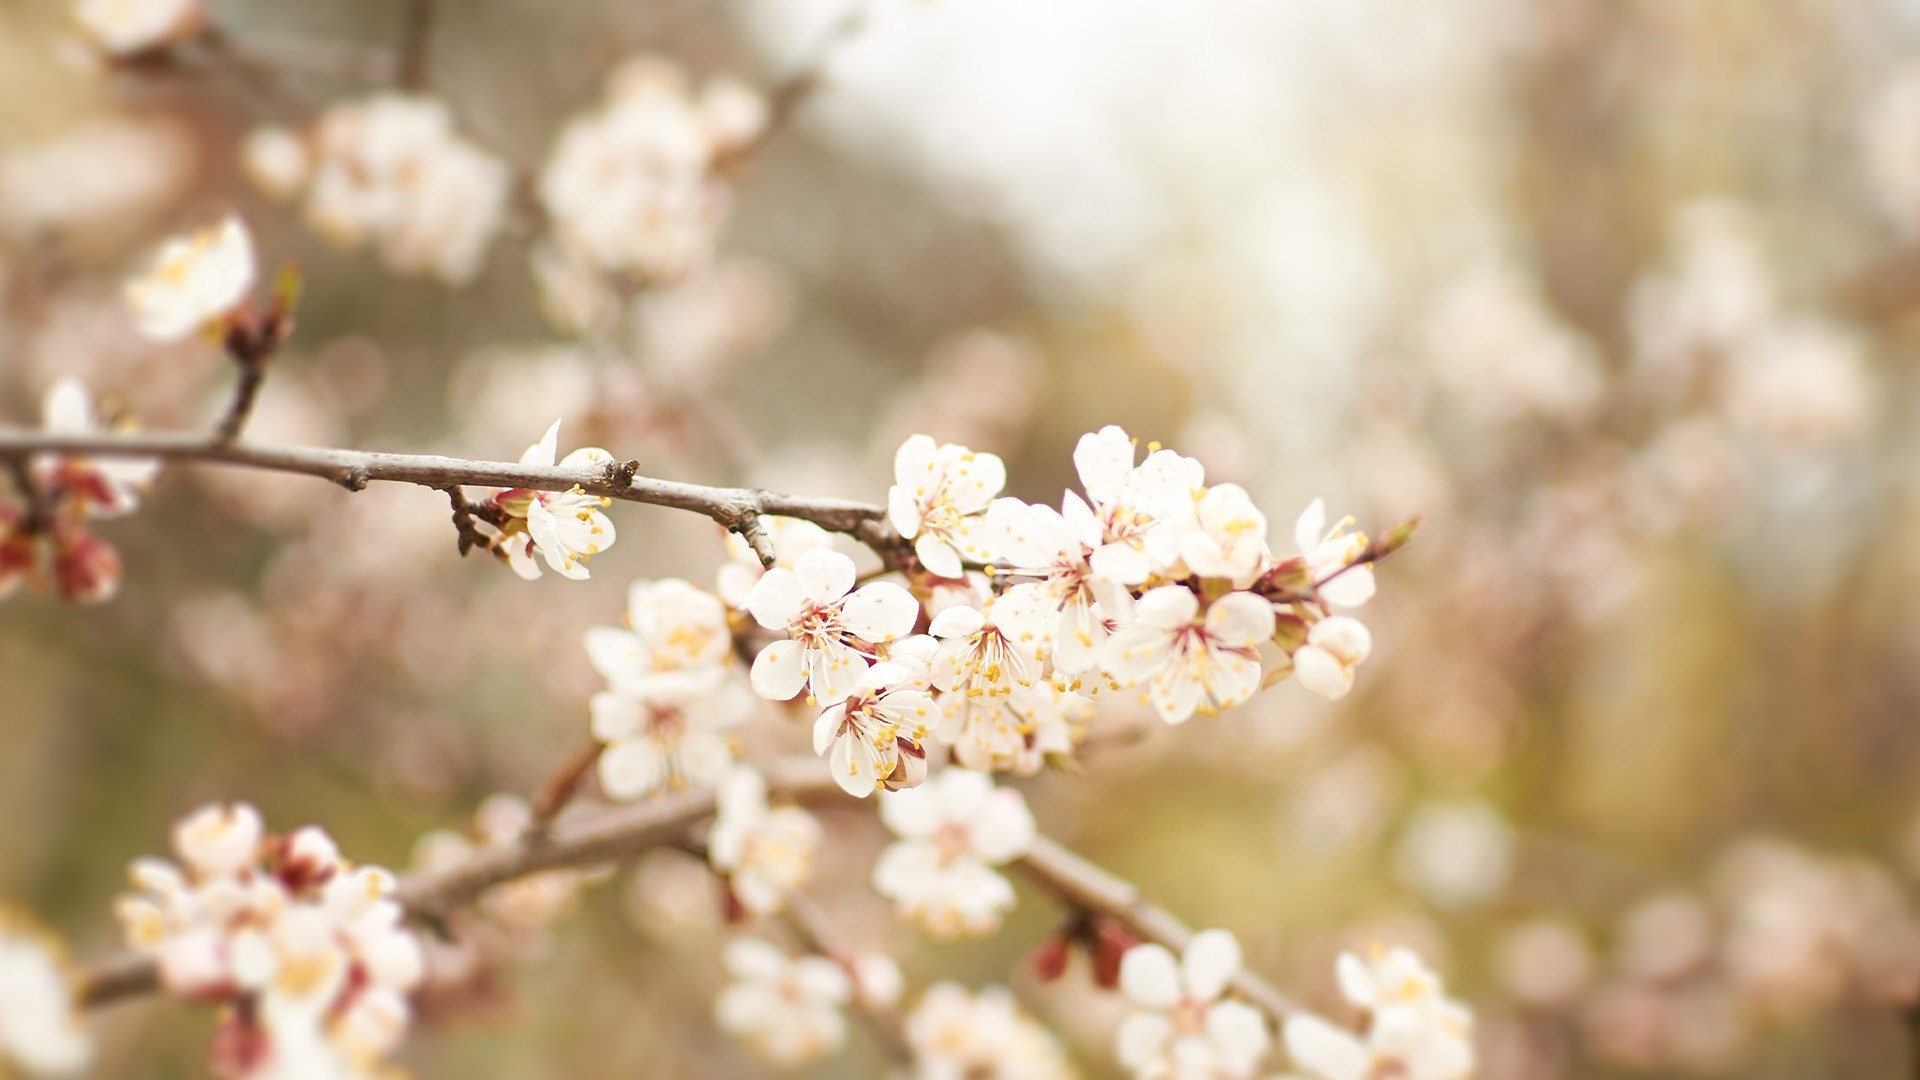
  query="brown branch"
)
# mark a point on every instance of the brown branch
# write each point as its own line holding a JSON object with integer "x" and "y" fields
{"x": 416, "y": 39}
{"x": 592, "y": 838}
{"x": 560, "y": 788}
{"x": 734, "y": 508}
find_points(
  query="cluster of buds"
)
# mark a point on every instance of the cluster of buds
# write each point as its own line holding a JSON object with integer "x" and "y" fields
{"x": 306, "y": 953}
{"x": 45, "y": 541}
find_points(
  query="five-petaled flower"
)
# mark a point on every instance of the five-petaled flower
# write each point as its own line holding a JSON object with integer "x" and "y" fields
{"x": 565, "y": 528}
{"x": 939, "y": 500}
{"x": 764, "y": 852}
{"x": 831, "y": 636}
{"x": 1191, "y": 661}
{"x": 195, "y": 282}
{"x": 1414, "y": 1030}
{"x": 953, "y": 831}
{"x": 873, "y": 737}
{"x": 1183, "y": 1027}
{"x": 786, "y": 1010}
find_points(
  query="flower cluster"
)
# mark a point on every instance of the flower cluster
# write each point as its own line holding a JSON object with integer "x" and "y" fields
{"x": 632, "y": 187}
{"x": 764, "y": 852}
{"x": 39, "y": 1030}
{"x": 307, "y": 951}
{"x": 1183, "y": 1027}
{"x": 1413, "y": 1029}
{"x": 392, "y": 171}
{"x": 957, "y": 1035}
{"x": 671, "y": 693}
{"x": 787, "y": 1010}
{"x": 953, "y": 831}
{"x": 47, "y": 542}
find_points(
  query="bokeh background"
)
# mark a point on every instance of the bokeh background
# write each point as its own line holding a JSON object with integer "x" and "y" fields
{"x": 1617, "y": 294}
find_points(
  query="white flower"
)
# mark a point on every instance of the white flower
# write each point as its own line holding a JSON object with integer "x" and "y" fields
{"x": 218, "y": 841}
{"x": 1191, "y": 662}
{"x": 1140, "y": 507}
{"x": 953, "y": 831}
{"x": 1335, "y": 646}
{"x": 392, "y": 169}
{"x": 863, "y": 735}
{"x": 106, "y": 486}
{"x": 631, "y": 187}
{"x": 194, "y": 281}
{"x": 1056, "y": 546}
{"x": 1182, "y": 1028}
{"x": 986, "y": 652}
{"x": 670, "y": 734}
{"x": 1228, "y": 537}
{"x": 830, "y": 635}
{"x": 131, "y": 27}
{"x": 1414, "y": 1030}
{"x": 764, "y": 853}
{"x": 678, "y": 633}
{"x": 790, "y": 538}
{"x": 786, "y": 1010}
{"x": 956, "y": 1035}
{"x": 39, "y": 1028}
{"x": 1328, "y": 551}
{"x": 939, "y": 501}
{"x": 276, "y": 160}
{"x": 564, "y": 527}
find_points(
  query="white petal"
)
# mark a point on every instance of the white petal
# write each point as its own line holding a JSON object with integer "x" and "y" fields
{"x": 1150, "y": 976}
{"x": 1310, "y": 527}
{"x": 824, "y": 576}
{"x": 880, "y": 612}
{"x": 1167, "y": 607}
{"x": 1240, "y": 618}
{"x": 542, "y": 452}
{"x": 779, "y": 671}
{"x": 1325, "y": 1051}
{"x": 631, "y": 769}
{"x": 776, "y": 599}
{"x": 1211, "y": 959}
{"x": 939, "y": 557}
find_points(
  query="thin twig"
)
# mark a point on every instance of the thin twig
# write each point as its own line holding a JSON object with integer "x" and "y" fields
{"x": 32, "y": 500}
{"x": 737, "y": 509}
{"x": 411, "y": 68}
{"x": 560, "y": 788}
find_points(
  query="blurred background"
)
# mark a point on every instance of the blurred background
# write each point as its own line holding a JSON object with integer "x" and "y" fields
{"x": 1618, "y": 295}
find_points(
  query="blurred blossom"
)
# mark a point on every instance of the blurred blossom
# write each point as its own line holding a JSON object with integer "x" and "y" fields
{"x": 1456, "y": 853}
{"x": 1499, "y": 352}
{"x": 1890, "y": 148}
{"x": 75, "y": 185}
{"x": 1665, "y": 937}
{"x": 670, "y": 899}
{"x": 1545, "y": 963}
{"x": 1802, "y": 387}
{"x": 978, "y": 389}
{"x": 1344, "y": 804}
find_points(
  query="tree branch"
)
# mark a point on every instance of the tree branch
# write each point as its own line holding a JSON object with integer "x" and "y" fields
{"x": 734, "y": 508}
{"x": 590, "y": 838}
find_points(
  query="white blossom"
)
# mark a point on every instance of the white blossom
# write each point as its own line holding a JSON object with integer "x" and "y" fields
{"x": 786, "y": 1010}
{"x": 1414, "y": 1030}
{"x": 939, "y": 500}
{"x": 1056, "y": 547}
{"x": 765, "y": 853}
{"x": 957, "y": 1035}
{"x": 1141, "y": 508}
{"x": 1183, "y": 1027}
{"x": 676, "y": 633}
{"x": 876, "y": 732}
{"x": 831, "y": 635}
{"x": 276, "y": 160}
{"x": 1329, "y": 551}
{"x": 565, "y": 528}
{"x": 669, "y": 734}
{"x": 127, "y": 28}
{"x": 1191, "y": 661}
{"x": 1227, "y": 538}
{"x": 194, "y": 282}
{"x": 40, "y": 1029}
{"x": 1335, "y": 646}
{"x": 790, "y": 539}
{"x": 953, "y": 831}
{"x": 103, "y": 487}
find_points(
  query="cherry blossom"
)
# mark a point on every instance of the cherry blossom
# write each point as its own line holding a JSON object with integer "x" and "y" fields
{"x": 1334, "y": 648}
{"x": 39, "y": 1029}
{"x": 126, "y": 28}
{"x": 786, "y": 1010}
{"x": 99, "y": 487}
{"x": 1192, "y": 662}
{"x": 1227, "y": 538}
{"x": 957, "y": 1035}
{"x": 764, "y": 853}
{"x": 831, "y": 635}
{"x": 1140, "y": 507}
{"x": 676, "y": 633}
{"x": 668, "y": 734}
{"x": 1056, "y": 546}
{"x": 1183, "y": 1027}
{"x": 1329, "y": 552}
{"x": 953, "y": 831}
{"x": 790, "y": 539}
{"x": 939, "y": 500}
{"x": 194, "y": 282}
{"x": 874, "y": 736}
{"x": 314, "y": 949}
{"x": 565, "y": 528}
{"x": 1414, "y": 1030}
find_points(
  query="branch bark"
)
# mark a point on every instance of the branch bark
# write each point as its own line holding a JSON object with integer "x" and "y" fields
{"x": 589, "y": 838}
{"x": 735, "y": 508}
